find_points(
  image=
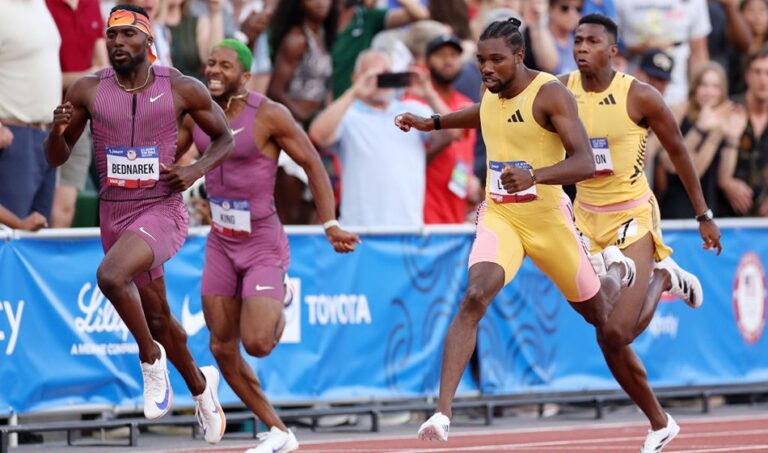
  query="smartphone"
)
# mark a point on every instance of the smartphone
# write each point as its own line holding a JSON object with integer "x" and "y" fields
{"x": 394, "y": 79}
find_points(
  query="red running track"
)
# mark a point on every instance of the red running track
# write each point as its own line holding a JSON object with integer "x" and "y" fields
{"x": 732, "y": 434}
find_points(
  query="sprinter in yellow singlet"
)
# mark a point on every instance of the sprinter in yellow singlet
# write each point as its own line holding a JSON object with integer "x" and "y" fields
{"x": 529, "y": 122}
{"x": 617, "y": 208}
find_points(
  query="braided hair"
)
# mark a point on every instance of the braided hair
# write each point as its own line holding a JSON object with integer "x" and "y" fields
{"x": 509, "y": 30}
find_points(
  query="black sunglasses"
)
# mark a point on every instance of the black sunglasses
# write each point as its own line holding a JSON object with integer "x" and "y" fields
{"x": 565, "y": 7}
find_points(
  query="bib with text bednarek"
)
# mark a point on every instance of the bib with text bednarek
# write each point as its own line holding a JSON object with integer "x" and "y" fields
{"x": 497, "y": 191}
{"x": 603, "y": 162}
{"x": 458, "y": 182}
{"x": 231, "y": 217}
{"x": 135, "y": 167}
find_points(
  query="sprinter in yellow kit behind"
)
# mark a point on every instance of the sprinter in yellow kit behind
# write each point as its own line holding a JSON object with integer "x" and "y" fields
{"x": 529, "y": 122}
{"x": 617, "y": 208}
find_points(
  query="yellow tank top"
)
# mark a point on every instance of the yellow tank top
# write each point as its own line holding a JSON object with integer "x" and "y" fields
{"x": 511, "y": 134}
{"x": 617, "y": 142}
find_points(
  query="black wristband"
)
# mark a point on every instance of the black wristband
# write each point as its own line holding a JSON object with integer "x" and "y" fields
{"x": 706, "y": 216}
{"x": 436, "y": 121}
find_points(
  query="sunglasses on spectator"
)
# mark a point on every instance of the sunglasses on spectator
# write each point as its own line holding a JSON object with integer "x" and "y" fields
{"x": 565, "y": 8}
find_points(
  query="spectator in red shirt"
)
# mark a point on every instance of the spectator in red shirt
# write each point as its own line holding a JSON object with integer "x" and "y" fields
{"x": 450, "y": 181}
{"x": 82, "y": 37}
{"x": 82, "y": 52}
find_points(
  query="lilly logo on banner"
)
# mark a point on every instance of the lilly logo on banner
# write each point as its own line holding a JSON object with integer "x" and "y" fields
{"x": 13, "y": 315}
{"x": 98, "y": 313}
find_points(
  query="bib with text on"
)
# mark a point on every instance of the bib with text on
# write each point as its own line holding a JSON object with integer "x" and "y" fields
{"x": 496, "y": 189}
{"x": 231, "y": 217}
{"x": 133, "y": 167}
{"x": 603, "y": 162}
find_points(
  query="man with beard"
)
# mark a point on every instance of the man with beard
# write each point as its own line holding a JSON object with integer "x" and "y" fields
{"x": 617, "y": 208}
{"x": 134, "y": 109}
{"x": 530, "y": 122}
{"x": 449, "y": 168}
{"x": 246, "y": 256}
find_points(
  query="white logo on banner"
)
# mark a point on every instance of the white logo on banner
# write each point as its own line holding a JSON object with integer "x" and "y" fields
{"x": 338, "y": 309}
{"x": 13, "y": 315}
{"x": 663, "y": 325}
{"x": 192, "y": 322}
{"x": 100, "y": 316}
{"x": 292, "y": 332}
{"x": 749, "y": 297}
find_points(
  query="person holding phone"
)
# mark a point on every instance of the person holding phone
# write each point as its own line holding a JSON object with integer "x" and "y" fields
{"x": 373, "y": 156}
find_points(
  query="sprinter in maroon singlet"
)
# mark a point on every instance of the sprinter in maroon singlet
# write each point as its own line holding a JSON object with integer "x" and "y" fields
{"x": 135, "y": 109}
{"x": 246, "y": 256}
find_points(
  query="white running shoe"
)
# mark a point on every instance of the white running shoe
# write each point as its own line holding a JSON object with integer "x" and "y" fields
{"x": 685, "y": 285}
{"x": 656, "y": 440}
{"x": 598, "y": 263}
{"x": 158, "y": 394}
{"x": 209, "y": 413}
{"x": 275, "y": 441}
{"x": 436, "y": 428}
{"x": 613, "y": 255}
{"x": 288, "y": 297}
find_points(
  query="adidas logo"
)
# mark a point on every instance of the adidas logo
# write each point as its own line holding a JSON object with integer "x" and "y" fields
{"x": 515, "y": 118}
{"x": 609, "y": 100}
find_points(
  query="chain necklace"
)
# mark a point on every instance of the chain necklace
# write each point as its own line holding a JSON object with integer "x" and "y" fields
{"x": 232, "y": 98}
{"x": 131, "y": 90}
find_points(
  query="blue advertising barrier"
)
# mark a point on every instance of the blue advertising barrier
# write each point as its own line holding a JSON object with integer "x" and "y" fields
{"x": 365, "y": 325}
{"x": 368, "y": 324}
{"x": 532, "y": 340}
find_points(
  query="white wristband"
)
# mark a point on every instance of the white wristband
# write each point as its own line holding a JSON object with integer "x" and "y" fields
{"x": 330, "y": 224}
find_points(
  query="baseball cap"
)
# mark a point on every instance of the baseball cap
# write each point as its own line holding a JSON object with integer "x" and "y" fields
{"x": 443, "y": 40}
{"x": 657, "y": 64}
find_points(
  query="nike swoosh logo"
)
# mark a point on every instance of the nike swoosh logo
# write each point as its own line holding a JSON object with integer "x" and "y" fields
{"x": 263, "y": 288}
{"x": 192, "y": 323}
{"x": 237, "y": 131}
{"x": 154, "y": 98}
{"x": 147, "y": 233}
{"x": 164, "y": 403}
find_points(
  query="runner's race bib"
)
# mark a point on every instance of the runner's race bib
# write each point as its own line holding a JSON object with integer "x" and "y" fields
{"x": 133, "y": 167}
{"x": 603, "y": 162}
{"x": 496, "y": 189}
{"x": 231, "y": 217}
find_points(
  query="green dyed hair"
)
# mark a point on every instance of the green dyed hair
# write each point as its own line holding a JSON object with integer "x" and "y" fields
{"x": 244, "y": 55}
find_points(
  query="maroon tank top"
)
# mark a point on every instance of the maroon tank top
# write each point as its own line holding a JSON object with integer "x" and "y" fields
{"x": 132, "y": 134}
{"x": 246, "y": 180}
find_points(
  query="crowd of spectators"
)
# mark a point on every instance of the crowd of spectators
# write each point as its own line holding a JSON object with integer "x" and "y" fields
{"x": 322, "y": 58}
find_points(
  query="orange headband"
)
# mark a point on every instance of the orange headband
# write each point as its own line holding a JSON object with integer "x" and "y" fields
{"x": 125, "y": 18}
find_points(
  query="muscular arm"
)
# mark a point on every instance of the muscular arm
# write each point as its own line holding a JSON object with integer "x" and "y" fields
{"x": 466, "y": 118}
{"x": 184, "y": 141}
{"x": 296, "y": 144}
{"x": 287, "y": 59}
{"x": 559, "y": 107}
{"x": 195, "y": 101}
{"x": 65, "y": 133}
{"x": 654, "y": 111}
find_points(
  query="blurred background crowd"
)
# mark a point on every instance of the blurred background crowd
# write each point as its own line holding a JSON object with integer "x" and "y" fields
{"x": 321, "y": 59}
